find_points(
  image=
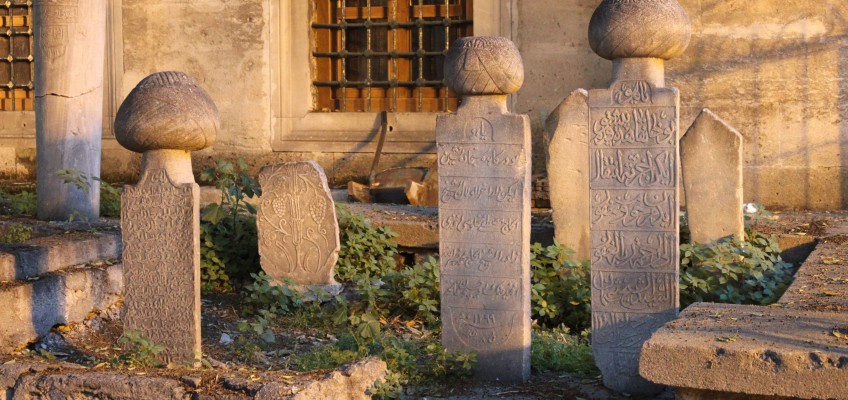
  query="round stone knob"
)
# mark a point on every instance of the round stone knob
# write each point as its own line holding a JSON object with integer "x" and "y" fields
{"x": 639, "y": 28}
{"x": 167, "y": 111}
{"x": 480, "y": 65}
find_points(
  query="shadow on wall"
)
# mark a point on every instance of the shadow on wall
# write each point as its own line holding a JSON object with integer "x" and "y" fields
{"x": 784, "y": 86}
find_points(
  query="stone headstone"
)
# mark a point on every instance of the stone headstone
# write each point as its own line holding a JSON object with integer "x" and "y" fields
{"x": 166, "y": 116}
{"x": 484, "y": 211}
{"x": 711, "y": 154}
{"x": 566, "y": 132}
{"x": 70, "y": 43}
{"x": 298, "y": 230}
{"x": 633, "y": 182}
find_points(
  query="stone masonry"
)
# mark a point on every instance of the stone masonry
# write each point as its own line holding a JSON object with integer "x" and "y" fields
{"x": 711, "y": 154}
{"x": 70, "y": 47}
{"x": 166, "y": 117}
{"x": 298, "y": 231}
{"x": 484, "y": 211}
{"x": 633, "y": 182}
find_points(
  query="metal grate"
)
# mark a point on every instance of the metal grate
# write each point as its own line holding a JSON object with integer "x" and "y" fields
{"x": 385, "y": 55}
{"x": 16, "y": 61}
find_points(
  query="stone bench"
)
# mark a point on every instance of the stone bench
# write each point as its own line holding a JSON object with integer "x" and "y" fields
{"x": 797, "y": 348}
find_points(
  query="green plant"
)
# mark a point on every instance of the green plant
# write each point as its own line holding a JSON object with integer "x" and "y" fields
{"x": 110, "y": 195}
{"x": 139, "y": 351}
{"x": 734, "y": 271}
{"x": 366, "y": 251}
{"x": 419, "y": 286}
{"x": 560, "y": 288}
{"x": 229, "y": 245}
{"x": 560, "y": 351}
{"x": 15, "y": 233}
{"x": 21, "y": 203}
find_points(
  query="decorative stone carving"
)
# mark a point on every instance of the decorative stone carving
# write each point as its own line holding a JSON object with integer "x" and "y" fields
{"x": 566, "y": 133}
{"x": 298, "y": 230}
{"x": 484, "y": 211}
{"x": 711, "y": 153}
{"x": 160, "y": 216}
{"x": 70, "y": 42}
{"x": 633, "y": 184}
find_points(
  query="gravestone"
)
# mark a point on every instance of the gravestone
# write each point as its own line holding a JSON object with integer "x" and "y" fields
{"x": 166, "y": 117}
{"x": 711, "y": 154}
{"x": 298, "y": 230}
{"x": 567, "y": 136}
{"x": 633, "y": 184}
{"x": 70, "y": 43}
{"x": 484, "y": 211}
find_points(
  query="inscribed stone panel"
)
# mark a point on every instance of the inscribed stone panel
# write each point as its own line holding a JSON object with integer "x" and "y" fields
{"x": 161, "y": 263}
{"x": 484, "y": 196}
{"x": 633, "y": 181}
{"x": 296, "y": 221}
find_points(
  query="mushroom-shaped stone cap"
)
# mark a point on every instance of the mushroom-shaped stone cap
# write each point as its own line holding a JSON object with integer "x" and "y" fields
{"x": 167, "y": 111}
{"x": 639, "y": 28}
{"x": 484, "y": 65}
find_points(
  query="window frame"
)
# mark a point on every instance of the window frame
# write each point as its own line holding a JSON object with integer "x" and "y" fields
{"x": 295, "y": 127}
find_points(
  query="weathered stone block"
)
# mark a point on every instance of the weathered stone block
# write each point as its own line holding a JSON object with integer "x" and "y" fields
{"x": 484, "y": 211}
{"x": 31, "y": 309}
{"x": 567, "y": 131}
{"x": 711, "y": 154}
{"x": 48, "y": 254}
{"x": 298, "y": 230}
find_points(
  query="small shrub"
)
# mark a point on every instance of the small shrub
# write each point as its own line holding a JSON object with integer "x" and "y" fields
{"x": 15, "y": 233}
{"x": 21, "y": 203}
{"x": 228, "y": 238}
{"x": 734, "y": 271}
{"x": 366, "y": 251}
{"x": 560, "y": 287}
{"x": 419, "y": 286}
{"x": 557, "y": 350}
{"x": 139, "y": 351}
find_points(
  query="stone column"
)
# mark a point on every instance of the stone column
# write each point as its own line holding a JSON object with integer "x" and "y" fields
{"x": 633, "y": 184}
{"x": 166, "y": 117}
{"x": 70, "y": 43}
{"x": 484, "y": 211}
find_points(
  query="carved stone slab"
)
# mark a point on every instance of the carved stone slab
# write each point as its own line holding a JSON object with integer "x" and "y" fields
{"x": 484, "y": 211}
{"x": 298, "y": 231}
{"x": 161, "y": 247}
{"x": 633, "y": 180}
{"x": 711, "y": 152}
{"x": 566, "y": 132}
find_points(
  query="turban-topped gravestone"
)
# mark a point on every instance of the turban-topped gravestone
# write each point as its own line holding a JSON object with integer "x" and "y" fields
{"x": 484, "y": 211}
{"x": 165, "y": 117}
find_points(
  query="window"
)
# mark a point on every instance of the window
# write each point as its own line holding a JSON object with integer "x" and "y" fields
{"x": 300, "y": 120}
{"x": 385, "y": 55}
{"x": 16, "y": 56}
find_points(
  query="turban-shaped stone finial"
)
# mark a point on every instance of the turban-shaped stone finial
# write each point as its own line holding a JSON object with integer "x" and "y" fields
{"x": 480, "y": 65}
{"x": 639, "y": 29}
{"x": 167, "y": 111}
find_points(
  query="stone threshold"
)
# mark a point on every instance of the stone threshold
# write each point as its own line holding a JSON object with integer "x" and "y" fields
{"x": 795, "y": 349}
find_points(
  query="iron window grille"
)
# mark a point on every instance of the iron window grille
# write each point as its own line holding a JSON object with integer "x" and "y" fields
{"x": 16, "y": 60}
{"x": 385, "y": 55}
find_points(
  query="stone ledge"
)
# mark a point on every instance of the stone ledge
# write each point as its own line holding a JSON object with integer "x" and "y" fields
{"x": 52, "y": 253}
{"x": 30, "y": 309}
{"x": 768, "y": 351}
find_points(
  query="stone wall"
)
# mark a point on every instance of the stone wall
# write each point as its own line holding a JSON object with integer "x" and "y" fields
{"x": 777, "y": 70}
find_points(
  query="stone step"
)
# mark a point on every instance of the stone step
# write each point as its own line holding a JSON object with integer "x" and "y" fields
{"x": 31, "y": 308}
{"x": 47, "y": 254}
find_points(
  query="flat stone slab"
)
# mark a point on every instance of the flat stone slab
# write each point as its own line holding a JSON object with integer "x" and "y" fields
{"x": 821, "y": 284}
{"x": 767, "y": 351}
{"x": 52, "y": 253}
{"x": 31, "y": 308}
